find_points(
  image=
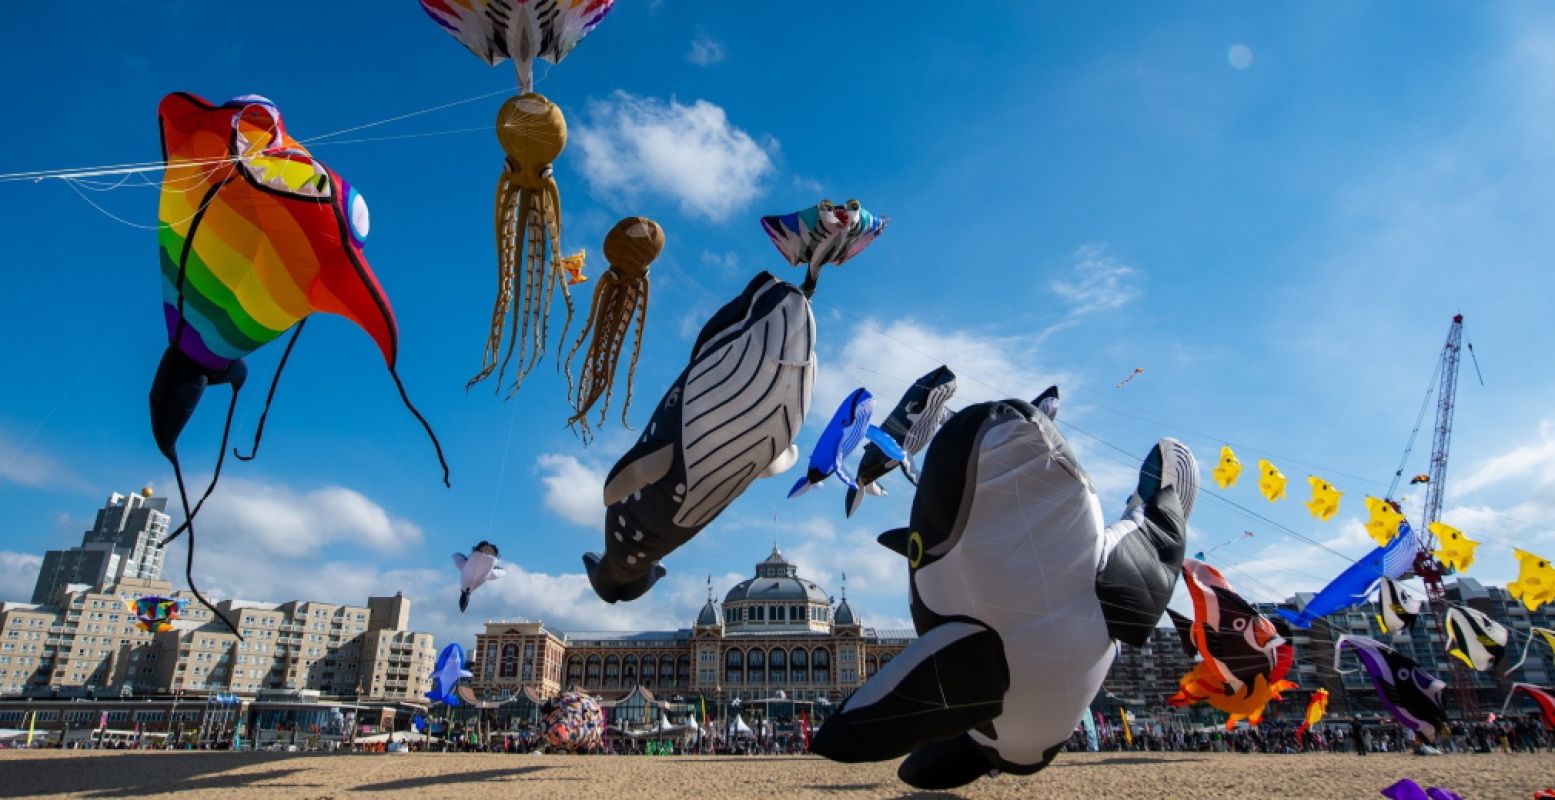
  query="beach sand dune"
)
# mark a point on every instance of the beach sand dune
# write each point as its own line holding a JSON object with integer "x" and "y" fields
{"x": 1134, "y": 776}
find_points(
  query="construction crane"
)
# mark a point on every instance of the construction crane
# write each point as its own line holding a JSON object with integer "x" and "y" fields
{"x": 1427, "y": 566}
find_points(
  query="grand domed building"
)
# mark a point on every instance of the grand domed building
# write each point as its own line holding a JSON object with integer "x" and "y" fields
{"x": 776, "y": 634}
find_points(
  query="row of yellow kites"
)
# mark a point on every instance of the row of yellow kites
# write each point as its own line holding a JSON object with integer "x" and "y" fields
{"x": 1535, "y": 584}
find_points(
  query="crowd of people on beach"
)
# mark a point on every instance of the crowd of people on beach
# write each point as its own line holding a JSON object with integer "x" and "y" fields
{"x": 1507, "y": 735}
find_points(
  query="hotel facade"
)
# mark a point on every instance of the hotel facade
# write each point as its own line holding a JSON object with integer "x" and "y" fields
{"x": 775, "y": 634}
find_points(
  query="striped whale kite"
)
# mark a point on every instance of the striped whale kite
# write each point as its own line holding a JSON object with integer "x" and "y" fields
{"x": 731, "y": 417}
{"x": 255, "y": 236}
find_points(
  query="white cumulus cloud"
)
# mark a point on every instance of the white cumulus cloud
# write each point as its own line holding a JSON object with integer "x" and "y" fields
{"x": 691, "y": 153}
{"x": 282, "y": 521}
{"x": 574, "y": 491}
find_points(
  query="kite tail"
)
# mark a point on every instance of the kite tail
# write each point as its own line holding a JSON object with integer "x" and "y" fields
{"x": 1297, "y": 620}
{"x": 436, "y": 445}
{"x": 275, "y": 381}
{"x": 221, "y": 457}
{"x": 183, "y": 496}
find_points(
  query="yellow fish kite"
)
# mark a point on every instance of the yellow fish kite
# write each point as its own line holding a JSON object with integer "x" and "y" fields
{"x": 1228, "y": 470}
{"x": 1272, "y": 484}
{"x": 1384, "y": 522}
{"x": 573, "y": 264}
{"x": 1454, "y": 549}
{"x": 1325, "y": 498}
{"x": 1535, "y": 584}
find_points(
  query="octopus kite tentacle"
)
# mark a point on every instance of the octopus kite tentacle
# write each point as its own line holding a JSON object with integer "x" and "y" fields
{"x": 532, "y": 132}
{"x": 622, "y": 293}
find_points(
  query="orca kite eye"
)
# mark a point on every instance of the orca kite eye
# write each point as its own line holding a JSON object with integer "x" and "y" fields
{"x": 853, "y": 205}
{"x": 826, "y": 205}
{"x": 915, "y": 549}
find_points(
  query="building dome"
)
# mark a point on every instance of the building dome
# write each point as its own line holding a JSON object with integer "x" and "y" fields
{"x": 776, "y": 581}
{"x": 708, "y": 616}
{"x": 845, "y": 615}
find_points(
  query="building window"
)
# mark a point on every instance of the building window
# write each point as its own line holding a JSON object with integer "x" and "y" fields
{"x": 779, "y": 665}
{"x": 650, "y": 669}
{"x": 683, "y": 670}
{"x": 756, "y": 664}
{"x": 667, "y": 669}
{"x": 612, "y": 672}
{"x": 629, "y": 671}
{"x": 800, "y": 664}
{"x": 734, "y": 666}
{"x": 509, "y": 668}
{"x": 871, "y": 666}
{"x": 759, "y": 613}
{"x": 591, "y": 671}
{"x": 775, "y": 614}
{"x": 575, "y": 670}
{"x": 820, "y": 661}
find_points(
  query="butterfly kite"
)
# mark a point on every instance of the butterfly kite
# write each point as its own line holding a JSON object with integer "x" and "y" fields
{"x": 256, "y": 235}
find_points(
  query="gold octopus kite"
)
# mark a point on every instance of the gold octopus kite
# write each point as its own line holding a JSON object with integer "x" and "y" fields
{"x": 532, "y": 132}
{"x": 622, "y": 293}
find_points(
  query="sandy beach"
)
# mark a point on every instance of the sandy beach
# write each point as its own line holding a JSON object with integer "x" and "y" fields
{"x": 1136, "y": 776}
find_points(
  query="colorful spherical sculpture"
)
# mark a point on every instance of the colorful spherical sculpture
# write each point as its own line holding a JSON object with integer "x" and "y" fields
{"x": 573, "y": 722}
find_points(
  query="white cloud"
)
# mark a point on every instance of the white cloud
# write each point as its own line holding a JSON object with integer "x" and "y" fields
{"x": 23, "y": 464}
{"x": 887, "y": 357}
{"x": 1097, "y": 282}
{"x": 574, "y": 491}
{"x": 280, "y": 521}
{"x": 1530, "y": 463}
{"x": 705, "y": 50}
{"x": 724, "y": 264}
{"x": 631, "y": 145}
{"x": 18, "y": 575}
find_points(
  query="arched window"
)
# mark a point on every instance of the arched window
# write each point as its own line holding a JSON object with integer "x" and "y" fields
{"x": 612, "y": 672}
{"x": 650, "y": 669}
{"x": 777, "y": 665}
{"x": 871, "y": 666}
{"x": 820, "y": 664}
{"x": 734, "y": 666}
{"x": 629, "y": 671}
{"x": 667, "y": 670}
{"x": 575, "y": 670}
{"x": 683, "y": 670}
{"x": 799, "y": 662}
{"x": 756, "y": 665}
{"x": 509, "y": 668}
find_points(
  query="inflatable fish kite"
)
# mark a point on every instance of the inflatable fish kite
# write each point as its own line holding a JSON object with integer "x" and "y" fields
{"x": 731, "y": 417}
{"x": 155, "y": 614}
{"x": 1325, "y": 498}
{"x": 848, "y": 427}
{"x": 911, "y": 425}
{"x": 1384, "y": 521}
{"x": 1474, "y": 638}
{"x": 823, "y": 234}
{"x": 1535, "y": 584}
{"x": 1454, "y": 550}
{"x": 1397, "y": 606}
{"x": 1018, "y": 592}
{"x": 1410, "y": 694}
{"x": 1228, "y": 470}
{"x": 256, "y": 236}
{"x": 1270, "y": 481}
{"x": 1354, "y": 585}
{"x": 1407, "y": 789}
{"x": 1544, "y": 697}
{"x": 446, "y": 675}
{"x": 1244, "y": 658}
{"x": 1317, "y": 706}
{"x": 1419, "y": 479}
{"x": 475, "y": 569}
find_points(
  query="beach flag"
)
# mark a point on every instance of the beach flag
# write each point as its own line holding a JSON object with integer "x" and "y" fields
{"x": 1092, "y": 743}
{"x": 102, "y": 721}
{"x": 1128, "y": 730}
{"x": 32, "y": 725}
{"x": 804, "y": 728}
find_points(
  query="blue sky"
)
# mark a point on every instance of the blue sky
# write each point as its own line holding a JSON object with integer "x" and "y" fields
{"x": 1075, "y": 190}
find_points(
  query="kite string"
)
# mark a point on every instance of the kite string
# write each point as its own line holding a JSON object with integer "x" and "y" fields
{"x": 502, "y": 469}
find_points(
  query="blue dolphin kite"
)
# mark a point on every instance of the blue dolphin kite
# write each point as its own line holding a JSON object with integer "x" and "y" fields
{"x": 1355, "y": 585}
{"x": 450, "y": 668}
{"x": 842, "y": 436}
